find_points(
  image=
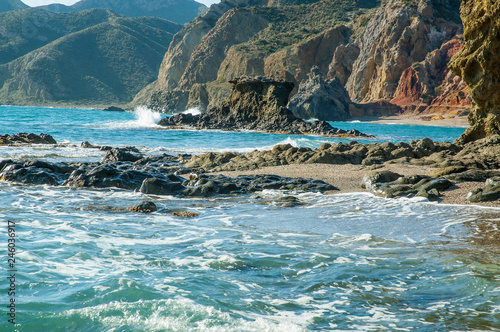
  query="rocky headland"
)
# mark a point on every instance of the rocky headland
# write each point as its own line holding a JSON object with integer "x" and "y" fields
{"x": 257, "y": 104}
{"x": 371, "y": 58}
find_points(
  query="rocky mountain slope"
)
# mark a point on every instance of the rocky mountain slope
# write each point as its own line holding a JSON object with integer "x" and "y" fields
{"x": 8, "y": 5}
{"x": 179, "y": 11}
{"x": 477, "y": 63}
{"x": 88, "y": 57}
{"x": 392, "y": 52}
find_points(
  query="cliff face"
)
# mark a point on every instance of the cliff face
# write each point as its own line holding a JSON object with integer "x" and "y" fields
{"x": 185, "y": 42}
{"x": 478, "y": 64}
{"x": 390, "y": 52}
{"x": 430, "y": 87}
{"x": 396, "y": 37}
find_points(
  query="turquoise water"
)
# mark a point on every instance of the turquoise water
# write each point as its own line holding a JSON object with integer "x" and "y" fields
{"x": 350, "y": 262}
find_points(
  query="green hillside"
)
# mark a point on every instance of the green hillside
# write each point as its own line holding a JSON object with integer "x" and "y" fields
{"x": 93, "y": 56}
{"x": 8, "y": 5}
{"x": 179, "y": 11}
{"x": 296, "y": 20}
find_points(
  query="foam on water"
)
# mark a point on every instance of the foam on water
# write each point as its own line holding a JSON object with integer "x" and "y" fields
{"x": 193, "y": 111}
{"x": 338, "y": 262}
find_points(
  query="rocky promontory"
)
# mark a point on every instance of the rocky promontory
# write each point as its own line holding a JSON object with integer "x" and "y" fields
{"x": 257, "y": 104}
{"x": 477, "y": 64}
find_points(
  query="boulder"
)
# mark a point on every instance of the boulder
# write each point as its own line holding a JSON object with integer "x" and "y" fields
{"x": 172, "y": 185}
{"x": 144, "y": 207}
{"x": 117, "y": 154}
{"x": 319, "y": 99}
{"x": 490, "y": 192}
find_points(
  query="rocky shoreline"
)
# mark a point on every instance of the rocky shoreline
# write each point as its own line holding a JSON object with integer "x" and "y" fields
{"x": 421, "y": 168}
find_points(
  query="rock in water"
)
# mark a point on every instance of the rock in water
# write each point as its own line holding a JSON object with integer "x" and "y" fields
{"x": 27, "y": 139}
{"x": 257, "y": 104}
{"x": 144, "y": 207}
{"x": 319, "y": 99}
{"x": 477, "y": 63}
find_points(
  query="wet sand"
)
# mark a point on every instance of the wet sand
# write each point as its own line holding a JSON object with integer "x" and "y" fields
{"x": 347, "y": 178}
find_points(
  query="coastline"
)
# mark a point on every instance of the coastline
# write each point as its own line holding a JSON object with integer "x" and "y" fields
{"x": 456, "y": 121}
{"x": 347, "y": 178}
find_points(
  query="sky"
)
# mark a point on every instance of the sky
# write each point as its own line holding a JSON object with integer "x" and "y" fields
{"x": 34, "y": 3}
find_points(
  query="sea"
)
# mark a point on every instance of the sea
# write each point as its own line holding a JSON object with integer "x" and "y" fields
{"x": 346, "y": 262}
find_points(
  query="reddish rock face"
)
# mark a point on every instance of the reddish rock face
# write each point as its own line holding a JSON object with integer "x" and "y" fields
{"x": 430, "y": 87}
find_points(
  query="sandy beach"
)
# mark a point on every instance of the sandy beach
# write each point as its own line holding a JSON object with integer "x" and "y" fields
{"x": 455, "y": 121}
{"x": 347, "y": 178}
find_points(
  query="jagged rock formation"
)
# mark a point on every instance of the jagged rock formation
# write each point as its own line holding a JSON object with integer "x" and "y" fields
{"x": 396, "y": 37}
{"x": 319, "y": 99}
{"x": 179, "y": 11}
{"x": 379, "y": 54}
{"x": 423, "y": 80}
{"x": 205, "y": 50}
{"x": 92, "y": 56}
{"x": 256, "y": 104}
{"x": 477, "y": 63}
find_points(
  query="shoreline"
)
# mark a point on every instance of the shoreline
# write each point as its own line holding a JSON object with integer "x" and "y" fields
{"x": 457, "y": 121}
{"x": 347, "y": 178}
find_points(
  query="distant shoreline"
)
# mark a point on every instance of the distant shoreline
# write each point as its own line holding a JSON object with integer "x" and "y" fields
{"x": 460, "y": 121}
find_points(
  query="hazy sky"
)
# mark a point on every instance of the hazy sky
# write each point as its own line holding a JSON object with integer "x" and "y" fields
{"x": 70, "y": 2}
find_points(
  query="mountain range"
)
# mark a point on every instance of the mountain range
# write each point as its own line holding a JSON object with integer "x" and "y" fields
{"x": 87, "y": 57}
{"x": 179, "y": 11}
{"x": 8, "y": 5}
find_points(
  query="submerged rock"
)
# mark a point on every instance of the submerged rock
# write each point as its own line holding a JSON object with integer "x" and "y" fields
{"x": 144, "y": 207}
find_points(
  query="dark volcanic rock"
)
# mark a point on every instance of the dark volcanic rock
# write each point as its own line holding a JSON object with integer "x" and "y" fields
{"x": 118, "y": 175}
{"x": 393, "y": 185}
{"x": 172, "y": 185}
{"x": 114, "y": 109}
{"x": 123, "y": 154}
{"x": 319, "y": 99}
{"x": 210, "y": 185}
{"x": 27, "y": 139}
{"x": 144, "y": 207}
{"x": 256, "y": 104}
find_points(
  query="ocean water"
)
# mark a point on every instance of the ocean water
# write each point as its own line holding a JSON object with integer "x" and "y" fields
{"x": 352, "y": 262}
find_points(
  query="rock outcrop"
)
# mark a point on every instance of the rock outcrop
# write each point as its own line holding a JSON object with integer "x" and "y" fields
{"x": 256, "y": 104}
{"x": 148, "y": 177}
{"x": 392, "y": 57}
{"x": 430, "y": 87}
{"x": 24, "y": 138}
{"x": 319, "y": 99}
{"x": 477, "y": 63}
{"x": 397, "y": 36}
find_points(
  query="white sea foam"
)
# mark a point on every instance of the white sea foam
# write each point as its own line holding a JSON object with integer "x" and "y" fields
{"x": 193, "y": 111}
{"x": 144, "y": 118}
